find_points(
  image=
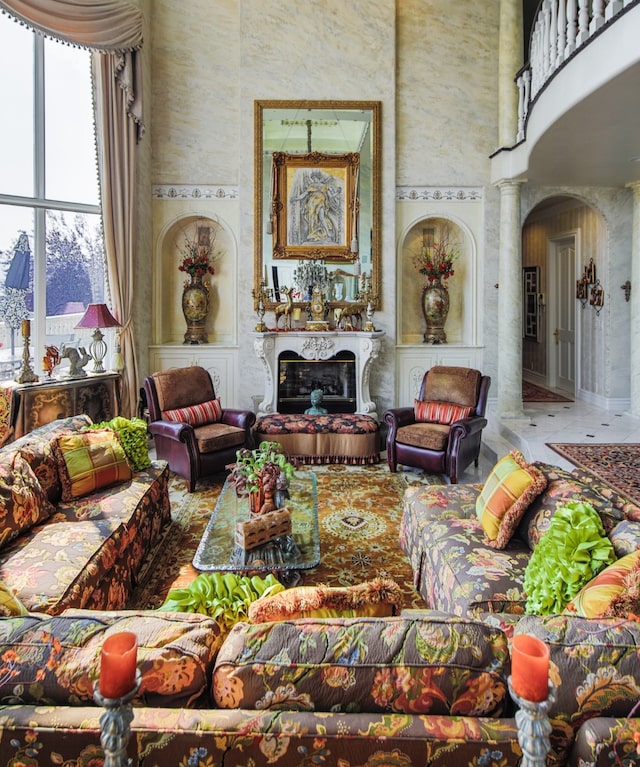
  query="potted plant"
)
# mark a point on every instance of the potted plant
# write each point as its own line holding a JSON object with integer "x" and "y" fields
{"x": 265, "y": 470}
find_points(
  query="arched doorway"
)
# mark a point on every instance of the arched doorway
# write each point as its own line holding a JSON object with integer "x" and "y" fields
{"x": 560, "y": 236}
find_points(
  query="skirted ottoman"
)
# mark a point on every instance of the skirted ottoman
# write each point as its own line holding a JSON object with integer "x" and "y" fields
{"x": 314, "y": 439}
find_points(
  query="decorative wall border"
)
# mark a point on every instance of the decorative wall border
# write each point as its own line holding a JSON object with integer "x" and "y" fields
{"x": 421, "y": 193}
{"x": 404, "y": 193}
{"x": 194, "y": 192}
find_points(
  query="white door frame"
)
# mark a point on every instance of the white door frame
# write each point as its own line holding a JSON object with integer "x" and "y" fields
{"x": 552, "y": 296}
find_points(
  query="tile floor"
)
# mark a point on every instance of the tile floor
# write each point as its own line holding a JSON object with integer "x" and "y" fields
{"x": 551, "y": 422}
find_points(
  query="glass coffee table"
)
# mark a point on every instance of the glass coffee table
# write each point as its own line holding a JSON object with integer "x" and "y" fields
{"x": 300, "y": 550}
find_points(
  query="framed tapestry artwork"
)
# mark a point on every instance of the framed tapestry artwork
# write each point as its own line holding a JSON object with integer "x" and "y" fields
{"x": 530, "y": 290}
{"x": 314, "y": 203}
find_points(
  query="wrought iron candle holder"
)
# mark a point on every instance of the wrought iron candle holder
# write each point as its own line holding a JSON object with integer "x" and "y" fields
{"x": 115, "y": 724}
{"x": 534, "y": 727}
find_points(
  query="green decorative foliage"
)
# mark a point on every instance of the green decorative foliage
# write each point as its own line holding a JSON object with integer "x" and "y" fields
{"x": 133, "y": 436}
{"x": 223, "y": 596}
{"x": 572, "y": 551}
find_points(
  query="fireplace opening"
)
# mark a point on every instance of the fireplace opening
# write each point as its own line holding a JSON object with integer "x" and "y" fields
{"x": 298, "y": 377}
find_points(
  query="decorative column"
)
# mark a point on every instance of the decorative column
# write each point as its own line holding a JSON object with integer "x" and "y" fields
{"x": 509, "y": 62}
{"x": 634, "y": 330}
{"x": 510, "y": 303}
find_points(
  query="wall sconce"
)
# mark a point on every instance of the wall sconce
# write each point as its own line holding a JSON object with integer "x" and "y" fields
{"x": 626, "y": 286}
{"x": 581, "y": 291}
{"x": 596, "y": 297}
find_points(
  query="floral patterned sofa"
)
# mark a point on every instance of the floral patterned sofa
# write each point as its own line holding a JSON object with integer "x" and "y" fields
{"x": 416, "y": 689}
{"x": 85, "y": 551}
{"x": 595, "y": 661}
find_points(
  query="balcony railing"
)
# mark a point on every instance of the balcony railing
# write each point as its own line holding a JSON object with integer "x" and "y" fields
{"x": 560, "y": 29}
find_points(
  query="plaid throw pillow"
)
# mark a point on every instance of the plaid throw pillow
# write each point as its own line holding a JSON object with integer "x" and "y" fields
{"x": 440, "y": 412}
{"x": 89, "y": 461}
{"x": 510, "y": 487}
{"x": 196, "y": 415}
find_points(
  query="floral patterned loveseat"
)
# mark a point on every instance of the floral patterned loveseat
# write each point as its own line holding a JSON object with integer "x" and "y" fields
{"x": 83, "y": 552}
{"x": 595, "y": 660}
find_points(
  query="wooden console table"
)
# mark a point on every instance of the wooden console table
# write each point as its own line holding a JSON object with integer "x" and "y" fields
{"x": 37, "y": 404}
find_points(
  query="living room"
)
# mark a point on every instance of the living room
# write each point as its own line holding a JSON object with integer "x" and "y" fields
{"x": 516, "y": 176}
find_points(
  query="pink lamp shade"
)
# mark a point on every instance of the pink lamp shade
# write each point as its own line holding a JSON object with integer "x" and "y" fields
{"x": 98, "y": 316}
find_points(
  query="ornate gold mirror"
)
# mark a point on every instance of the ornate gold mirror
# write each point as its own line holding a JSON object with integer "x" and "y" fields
{"x": 317, "y": 201}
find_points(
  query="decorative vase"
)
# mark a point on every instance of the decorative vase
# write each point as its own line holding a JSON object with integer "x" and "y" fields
{"x": 256, "y": 500}
{"x": 195, "y": 307}
{"x": 435, "y": 307}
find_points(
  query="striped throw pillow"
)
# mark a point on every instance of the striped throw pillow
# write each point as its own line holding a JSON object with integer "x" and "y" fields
{"x": 614, "y": 592}
{"x": 196, "y": 415}
{"x": 510, "y": 488}
{"x": 440, "y": 412}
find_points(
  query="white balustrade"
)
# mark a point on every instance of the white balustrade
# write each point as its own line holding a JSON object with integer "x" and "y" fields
{"x": 560, "y": 28}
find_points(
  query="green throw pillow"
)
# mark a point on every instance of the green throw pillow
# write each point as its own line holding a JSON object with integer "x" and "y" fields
{"x": 133, "y": 437}
{"x": 572, "y": 551}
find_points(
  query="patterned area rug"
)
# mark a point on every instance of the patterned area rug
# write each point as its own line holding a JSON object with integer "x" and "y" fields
{"x": 533, "y": 393}
{"x": 618, "y": 465}
{"x": 359, "y": 517}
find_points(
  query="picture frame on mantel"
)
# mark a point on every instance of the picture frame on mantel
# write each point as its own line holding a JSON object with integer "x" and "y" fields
{"x": 315, "y": 205}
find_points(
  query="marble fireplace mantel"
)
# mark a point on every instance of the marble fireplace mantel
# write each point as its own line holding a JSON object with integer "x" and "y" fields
{"x": 318, "y": 345}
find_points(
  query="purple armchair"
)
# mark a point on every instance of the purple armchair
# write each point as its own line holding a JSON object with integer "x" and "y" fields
{"x": 437, "y": 447}
{"x": 191, "y": 431}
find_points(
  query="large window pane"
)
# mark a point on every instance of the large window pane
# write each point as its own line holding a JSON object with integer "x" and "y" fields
{"x": 70, "y": 167}
{"x": 16, "y": 293}
{"x": 75, "y": 273}
{"x": 16, "y": 96}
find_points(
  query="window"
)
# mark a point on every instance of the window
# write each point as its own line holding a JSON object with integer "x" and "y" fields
{"x": 51, "y": 250}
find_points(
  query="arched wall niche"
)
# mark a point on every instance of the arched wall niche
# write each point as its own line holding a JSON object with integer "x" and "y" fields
{"x": 461, "y": 323}
{"x": 170, "y": 324}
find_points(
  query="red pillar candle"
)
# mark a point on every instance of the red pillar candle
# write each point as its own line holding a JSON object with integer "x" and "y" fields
{"x": 530, "y": 668}
{"x": 118, "y": 662}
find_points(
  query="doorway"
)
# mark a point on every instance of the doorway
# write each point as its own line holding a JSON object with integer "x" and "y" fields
{"x": 562, "y": 359}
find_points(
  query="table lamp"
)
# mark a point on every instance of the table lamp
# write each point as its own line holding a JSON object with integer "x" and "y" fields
{"x": 98, "y": 316}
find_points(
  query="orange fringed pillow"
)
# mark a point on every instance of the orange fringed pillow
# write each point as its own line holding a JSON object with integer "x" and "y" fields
{"x": 613, "y": 593}
{"x": 379, "y": 597}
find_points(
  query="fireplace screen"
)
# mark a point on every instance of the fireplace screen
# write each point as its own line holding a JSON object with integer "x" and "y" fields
{"x": 298, "y": 377}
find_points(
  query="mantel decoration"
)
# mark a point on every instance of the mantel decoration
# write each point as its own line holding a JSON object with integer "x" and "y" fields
{"x": 436, "y": 261}
{"x": 197, "y": 260}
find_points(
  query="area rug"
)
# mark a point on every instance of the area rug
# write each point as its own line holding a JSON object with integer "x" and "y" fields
{"x": 533, "y": 393}
{"x": 617, "y": 465}
{"x": 359, "y": 518}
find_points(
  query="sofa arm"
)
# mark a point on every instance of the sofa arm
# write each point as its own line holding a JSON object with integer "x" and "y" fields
{"x": 462, "y": 429}
{"x": 180, "y": 432}
{"x": 401, "y": 416}
{"x": 243, "y": 419}
{"x": 594, "y": 666}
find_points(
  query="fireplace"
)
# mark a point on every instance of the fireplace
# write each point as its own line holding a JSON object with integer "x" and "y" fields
{"x": 335, "y": 377}
{"x": 338, "y": 362}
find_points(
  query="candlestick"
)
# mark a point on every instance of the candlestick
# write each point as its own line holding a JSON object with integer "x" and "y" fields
{"x": 534, "y": 726}
{"x": 530, "y": 667}
{"x": 115, "y": 723}
{"x": 118, "y": 664}
{"x": 26, "y": 328}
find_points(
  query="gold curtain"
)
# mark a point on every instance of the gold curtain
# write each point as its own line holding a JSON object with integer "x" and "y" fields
{"x": 112, "y": 29}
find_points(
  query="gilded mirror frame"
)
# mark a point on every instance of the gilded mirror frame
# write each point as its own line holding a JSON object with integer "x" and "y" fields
{"x": 263, "y": 188}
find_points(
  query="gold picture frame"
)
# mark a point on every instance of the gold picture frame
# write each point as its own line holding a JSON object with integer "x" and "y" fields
{"x": 315, "y": 205}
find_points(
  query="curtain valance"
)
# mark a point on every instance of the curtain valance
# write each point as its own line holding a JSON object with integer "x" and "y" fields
{"x": 102, "y": 25}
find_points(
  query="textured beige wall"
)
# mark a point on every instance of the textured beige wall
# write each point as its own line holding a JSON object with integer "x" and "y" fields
{"x": 432, "y": 63}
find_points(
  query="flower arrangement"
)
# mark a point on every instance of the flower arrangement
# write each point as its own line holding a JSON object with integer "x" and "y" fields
{"x": 197, "y": 253}
{"x": 436, "y": 261}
